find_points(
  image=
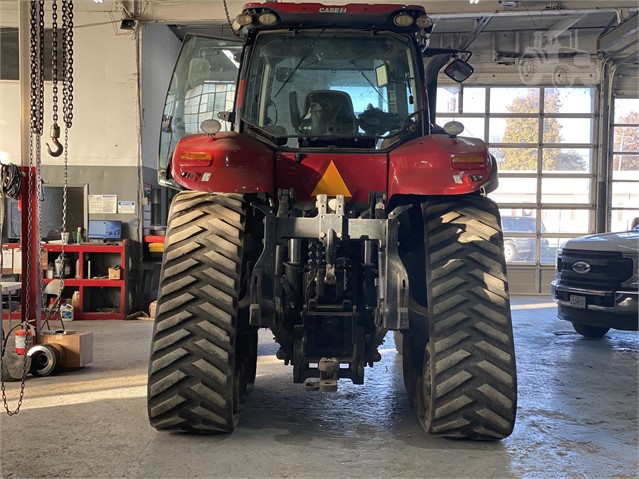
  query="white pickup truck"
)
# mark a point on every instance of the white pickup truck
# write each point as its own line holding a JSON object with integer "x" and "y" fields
{"x": 596, "y": 284}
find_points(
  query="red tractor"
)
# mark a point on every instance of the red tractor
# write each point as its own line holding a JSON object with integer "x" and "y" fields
{"x": 331, "y": 210}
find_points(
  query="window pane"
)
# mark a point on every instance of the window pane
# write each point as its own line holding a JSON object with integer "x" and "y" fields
{"x": 473, "y": 127}
{"x": 625, "y": 194}
{"x": 513, "y": 130}
{"x": 565, "y": 190}
{"x": 202, "y": 101}
{"x": 519, "y": 249}
{"x": 625, "y": 165}
{"x": 626, "y": 109}
{"x": 549, "y": 251}
{"x": 576, "y": 222}
{"x": 568, "y": 130}
{"x": 516, "y": 190}
{"x": 448, "y": 99}
{"x": 9, "y": 67}
{"x": 622, "y": 219}
{"x": 518, "y": 221}
{"x": 569, "y": 100}
{"x": 626, "y": 139}
{"x": 516, "y": 159}
{"x": 474, "y": 100}
{"x": 567, "y": 159}
{"x": 514, "y": 100}
{"x": 519, "y": 227}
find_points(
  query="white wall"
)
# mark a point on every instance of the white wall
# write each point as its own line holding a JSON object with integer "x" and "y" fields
{"x": 105, "y": 124}
{"x": 160, "y": 48}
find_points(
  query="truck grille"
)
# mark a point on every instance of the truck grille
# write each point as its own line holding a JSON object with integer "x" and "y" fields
{"x": 608, "y": 270}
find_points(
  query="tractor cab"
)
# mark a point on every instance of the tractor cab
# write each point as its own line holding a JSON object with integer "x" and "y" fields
{"x": 305, "y": 77}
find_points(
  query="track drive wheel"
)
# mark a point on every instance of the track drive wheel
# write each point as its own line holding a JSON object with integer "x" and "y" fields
{"x": 202, "y": 354}
{"x": 460, "y": 371}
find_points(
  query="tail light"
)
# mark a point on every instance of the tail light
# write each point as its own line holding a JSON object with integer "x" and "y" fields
{"x": 469, "y": 162}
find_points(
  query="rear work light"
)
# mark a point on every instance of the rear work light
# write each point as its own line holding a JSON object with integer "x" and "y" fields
{"x": 424, "y": 21}
{"x": 244, "y": 19}
{"x": 468, "y": 162}
{"x": 403, "y": 20}
{"x": 267, "y": 19}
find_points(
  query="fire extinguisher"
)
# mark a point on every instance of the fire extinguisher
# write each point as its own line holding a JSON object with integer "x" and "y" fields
{"x": 24, "y": 340}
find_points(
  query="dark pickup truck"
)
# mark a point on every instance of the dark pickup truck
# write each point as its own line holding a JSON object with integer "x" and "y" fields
{"x": 596, "y": 284}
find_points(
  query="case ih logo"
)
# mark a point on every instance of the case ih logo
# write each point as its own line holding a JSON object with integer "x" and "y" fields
{"x": 332, "y": 10}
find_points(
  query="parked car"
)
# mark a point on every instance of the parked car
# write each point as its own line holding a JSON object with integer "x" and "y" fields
{"x": 518, "y": 248}
{"x": 596, "y": 284}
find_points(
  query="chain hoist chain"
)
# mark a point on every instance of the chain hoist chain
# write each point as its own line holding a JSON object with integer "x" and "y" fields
{"x": 54, "y": 59}
{"x": 67, "y": 62}
{"x": 36, "y": 90}
{"x": 33, "y": 66}
{"x": 67, "y": 100}
{"x": 36, "y": 87}
{"x": 27, "y": 295}
{"x": 228, "y": 19}
{"x": 64, "y": 214}
{"x": 41, "y": 64}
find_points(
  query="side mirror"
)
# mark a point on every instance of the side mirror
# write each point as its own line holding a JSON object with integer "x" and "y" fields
{"x": 381, "y": 75}
{"x": 453, "y": 128}
{"x": 210, "y": 127}
{"x": 635, "y": 223}
{"x": 459, "y": 70}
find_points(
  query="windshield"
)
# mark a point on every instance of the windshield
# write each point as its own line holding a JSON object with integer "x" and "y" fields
{"x": 322, "y": 88}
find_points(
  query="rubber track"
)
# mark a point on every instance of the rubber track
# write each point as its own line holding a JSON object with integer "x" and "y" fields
{"x": 470, "y": 354}
{"x": 192, "y": 367}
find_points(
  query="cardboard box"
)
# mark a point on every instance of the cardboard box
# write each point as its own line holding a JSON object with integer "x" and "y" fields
{"x": 7, "y": 261}
{"x": 114, "y": 273}
{"x": 17, "y": 260}
{"x": 78, "y": 347}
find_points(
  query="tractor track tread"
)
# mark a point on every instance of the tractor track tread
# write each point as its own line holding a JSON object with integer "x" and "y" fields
{"x": 192, "y": 366}
{"x": 470, "y": 353}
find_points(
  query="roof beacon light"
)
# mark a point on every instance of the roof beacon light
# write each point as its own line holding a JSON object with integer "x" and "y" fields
{"x": 424, "y": 21}
{"x": 244, "y": 19}
{"x": 267, "y": 18}
{"x": 403, "y": 20}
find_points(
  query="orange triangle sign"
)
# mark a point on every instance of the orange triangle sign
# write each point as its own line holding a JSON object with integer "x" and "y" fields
{"x": 331, "y": 183}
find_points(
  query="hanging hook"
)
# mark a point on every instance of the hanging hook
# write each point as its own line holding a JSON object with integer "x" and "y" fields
{"x": 55, "y": 134}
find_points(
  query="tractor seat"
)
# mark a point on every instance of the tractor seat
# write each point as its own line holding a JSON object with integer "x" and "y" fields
{"x": 328, "y": 112}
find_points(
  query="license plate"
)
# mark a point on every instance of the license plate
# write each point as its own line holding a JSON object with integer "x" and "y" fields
{"x": 578, "y": 302}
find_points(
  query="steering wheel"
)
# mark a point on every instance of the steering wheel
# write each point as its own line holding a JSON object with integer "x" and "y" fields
{"x": 376, "y": 122}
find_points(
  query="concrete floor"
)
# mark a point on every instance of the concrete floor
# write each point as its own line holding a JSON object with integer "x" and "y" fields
{"x": 577, "y": 417}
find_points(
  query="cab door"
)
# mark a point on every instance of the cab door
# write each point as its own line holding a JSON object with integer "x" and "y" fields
{"x": 203, "y": 84}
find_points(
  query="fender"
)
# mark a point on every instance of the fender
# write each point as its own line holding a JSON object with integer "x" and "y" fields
{"x": 440, "y": 165}
{"x": 227, "y": 162}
